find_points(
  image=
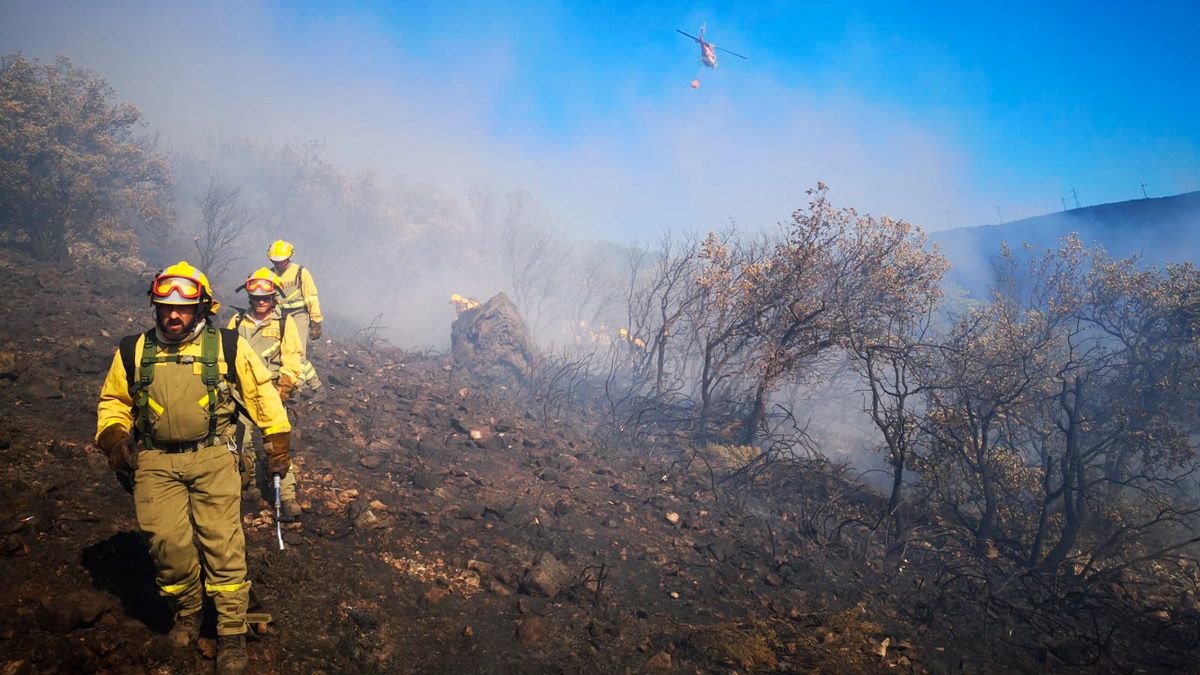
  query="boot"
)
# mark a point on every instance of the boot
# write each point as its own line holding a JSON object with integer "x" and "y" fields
{"x": 186, "y": 630}
{"x": 291, "y": 510}
{"x": 231, "y": 654}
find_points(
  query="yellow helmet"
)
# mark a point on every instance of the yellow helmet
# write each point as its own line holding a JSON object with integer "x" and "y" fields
{"x": 183, "y": 284}
{"x": 280, "y": 251}
{"x": 263, "y": 282}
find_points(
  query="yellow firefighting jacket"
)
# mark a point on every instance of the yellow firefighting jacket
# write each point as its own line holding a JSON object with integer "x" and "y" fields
{"x": 253, "y": 382}
{"x": 279, "y": 348}
{"x": 299, "y": 292}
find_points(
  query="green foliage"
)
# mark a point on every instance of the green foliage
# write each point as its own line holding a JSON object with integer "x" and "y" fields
{"x": 74, "y": 165}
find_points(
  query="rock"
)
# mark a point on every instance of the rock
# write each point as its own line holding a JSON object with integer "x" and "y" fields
{"x": 434, "y": 596}
{"x": 493, "y": 343}
{"x": 469, "y": 511}
{"x": 526, "y": 606}
{"x": 425, "y": 479}
{"x": 672, "y": 517}
{"x": 61, "y": 450}
{"x": 532, "y": 629}
{"x": 882, "y": 648}
{"x": 92, "y": 605}
{"x": 371, "y": 461}
{"x": 484, "y": 569}
{"x": 41, "y": 388}
{"x": 660, "y": 661}
{"x": 546, "y": 577}
{"x": 367, "y": 520}
{"x": 8, "y": 365}
{"x": 12, "y": 547}
{"x": 59, "y": 615}
{"x": 468, "y": 632}
{"x": 81, "y": 360}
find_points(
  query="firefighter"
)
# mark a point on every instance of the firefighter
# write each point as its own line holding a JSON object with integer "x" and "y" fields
{"x": 276, "y": 340}
{"x": 166, "y": 422}
{"x": 299, "y": 301}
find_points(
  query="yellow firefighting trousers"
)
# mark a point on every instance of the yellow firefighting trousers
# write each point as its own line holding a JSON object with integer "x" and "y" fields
{"x": 308, "y": 374}
{"x": 171, "y": 492}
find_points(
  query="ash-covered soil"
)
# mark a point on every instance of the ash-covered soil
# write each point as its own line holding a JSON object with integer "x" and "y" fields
{"x": 449, "y": 528}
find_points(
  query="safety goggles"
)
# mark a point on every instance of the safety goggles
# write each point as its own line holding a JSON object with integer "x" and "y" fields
{"x": 260, "y": 286}
{"x": 176, "y": 289}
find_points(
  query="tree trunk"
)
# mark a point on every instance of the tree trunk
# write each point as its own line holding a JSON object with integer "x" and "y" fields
{"x": 758, "y": 413}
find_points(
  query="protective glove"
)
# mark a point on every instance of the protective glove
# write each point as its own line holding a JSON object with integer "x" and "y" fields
{"x": 116, "y": 443}
{"x": 285, "y": 386}
{"x": 314, "y": 330}
{"x": 278, "y": 453}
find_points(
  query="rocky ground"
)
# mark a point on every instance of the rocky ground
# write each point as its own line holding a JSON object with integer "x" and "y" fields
{"x": 449, "y": 528}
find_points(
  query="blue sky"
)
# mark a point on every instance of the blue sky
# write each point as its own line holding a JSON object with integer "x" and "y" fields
{"x": 935, "y": 112}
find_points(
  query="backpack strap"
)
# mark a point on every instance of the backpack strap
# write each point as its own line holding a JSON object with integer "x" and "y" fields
{"x": 229, "y": 348}
{"x": 210, "y": 375}
{"x": 142, "y": 386}
{"x": 127, "y": 348}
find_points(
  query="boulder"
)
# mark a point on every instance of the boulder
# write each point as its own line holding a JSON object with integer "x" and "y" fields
{"x": 492, "y": 342}
{"x": 546, "y": 577}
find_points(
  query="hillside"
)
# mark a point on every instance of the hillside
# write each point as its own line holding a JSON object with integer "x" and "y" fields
{"x": 1160, "y": 230}
{"x": 450, "y": 527}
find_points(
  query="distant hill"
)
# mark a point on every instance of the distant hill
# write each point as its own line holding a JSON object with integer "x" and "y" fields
{"x": 1161, "y": 230}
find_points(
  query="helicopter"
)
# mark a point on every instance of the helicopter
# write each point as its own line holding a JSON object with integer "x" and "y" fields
{"x": 708, "y": 52}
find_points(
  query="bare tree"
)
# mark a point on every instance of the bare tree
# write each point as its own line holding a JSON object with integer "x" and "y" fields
{"x": 223, "y": 226}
